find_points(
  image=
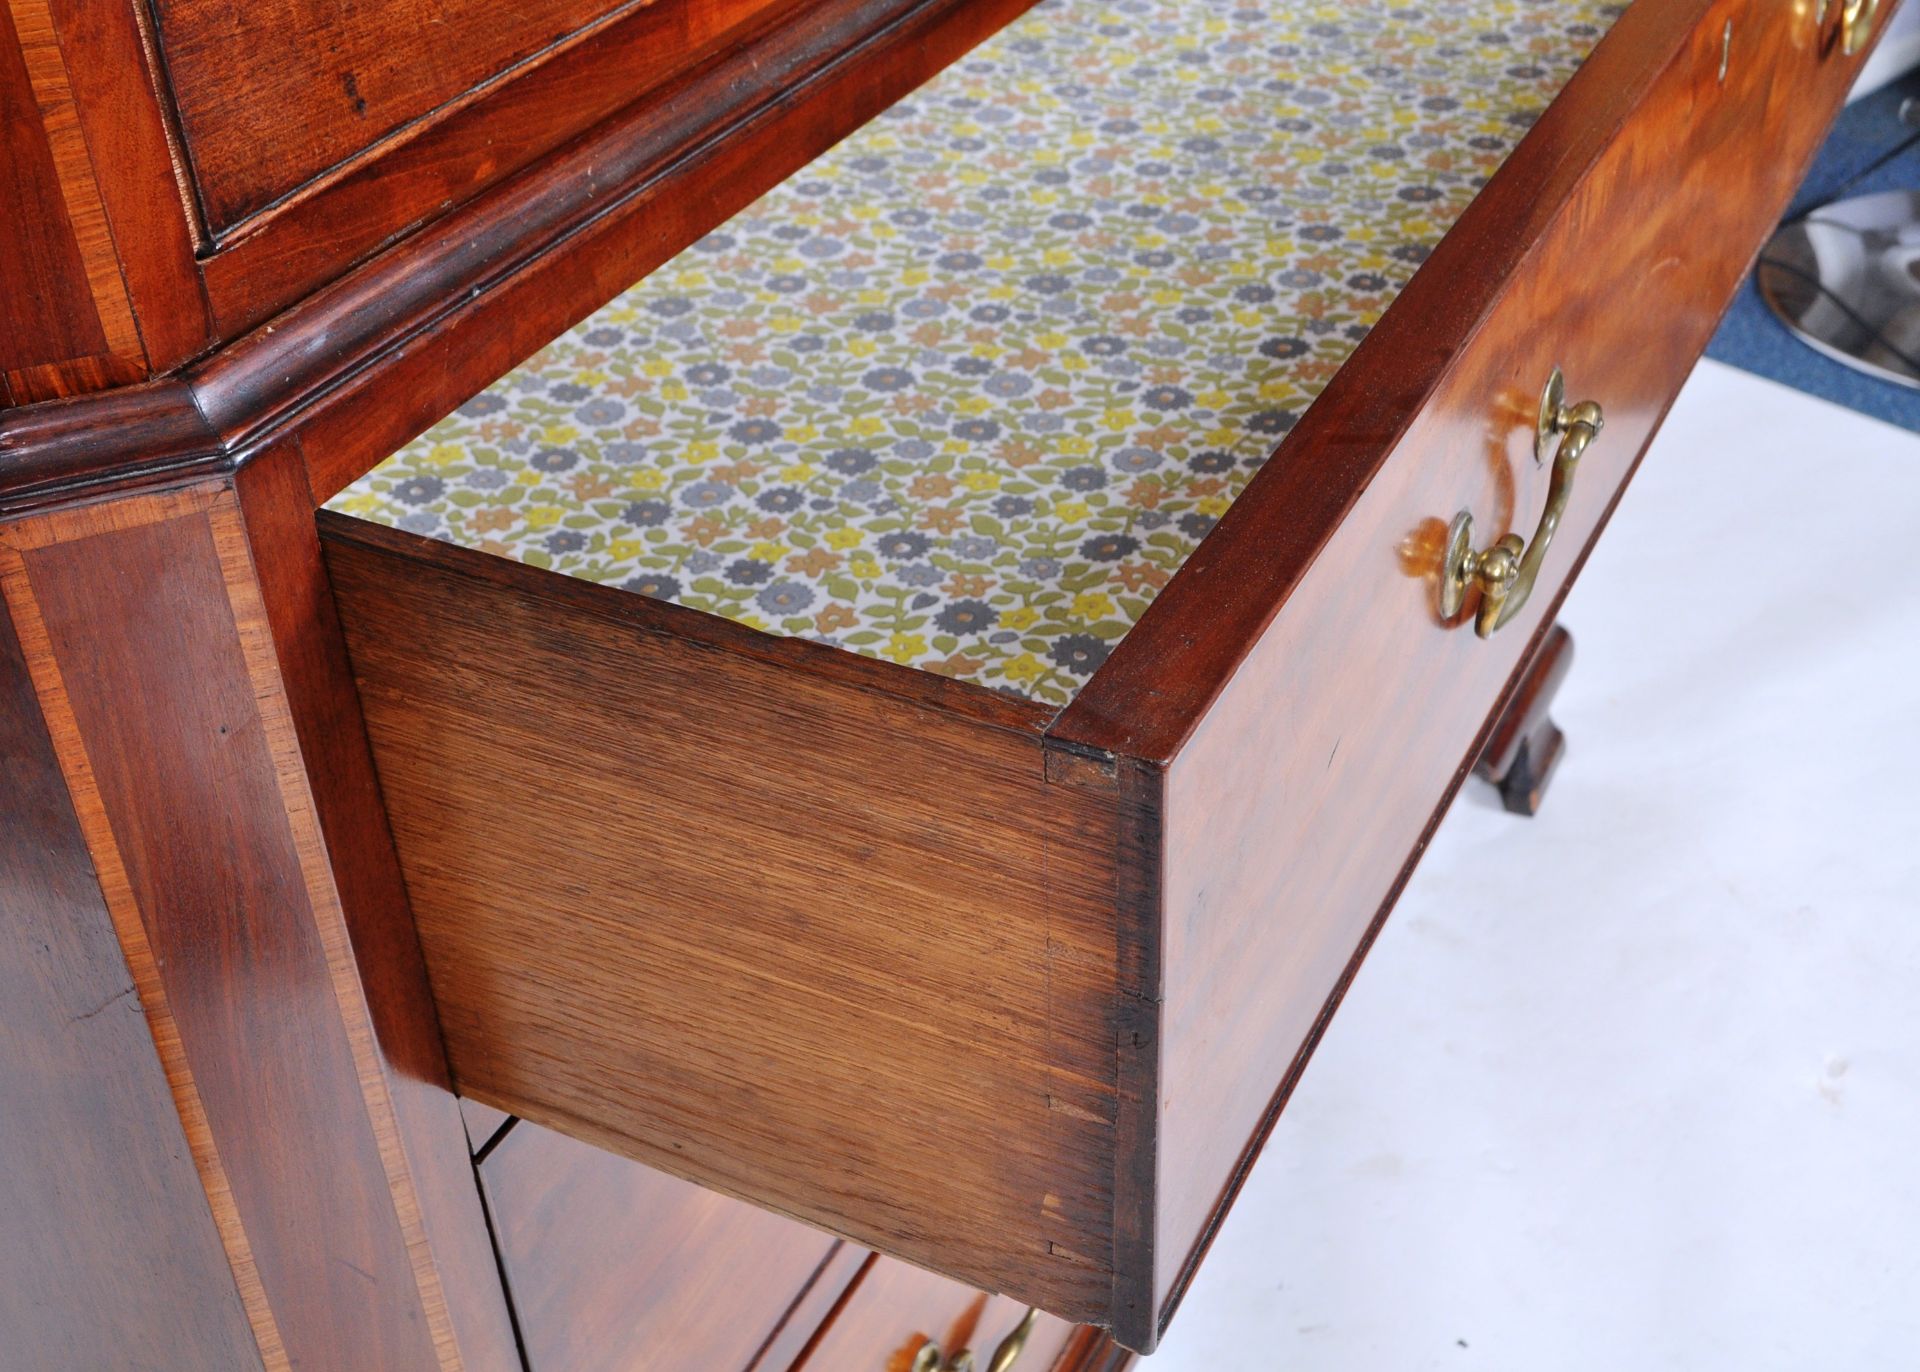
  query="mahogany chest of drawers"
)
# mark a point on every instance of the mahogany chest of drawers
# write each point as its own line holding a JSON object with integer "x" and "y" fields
{"x": 610, "y": 895}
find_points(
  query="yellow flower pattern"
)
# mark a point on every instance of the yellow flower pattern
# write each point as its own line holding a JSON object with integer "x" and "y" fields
{"x": 965, "y": 392}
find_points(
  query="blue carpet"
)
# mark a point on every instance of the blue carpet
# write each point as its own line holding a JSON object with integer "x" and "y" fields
{"x": 1752, "y": 339}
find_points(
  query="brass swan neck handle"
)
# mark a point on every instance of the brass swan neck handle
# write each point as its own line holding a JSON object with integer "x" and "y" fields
{"x": 1505, "y": 573}
{"x": 930, "y": 1359}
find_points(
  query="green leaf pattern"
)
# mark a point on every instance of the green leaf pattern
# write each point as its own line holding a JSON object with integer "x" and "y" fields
{"x": 964, "y": 392}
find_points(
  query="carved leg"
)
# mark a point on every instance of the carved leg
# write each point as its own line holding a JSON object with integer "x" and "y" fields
{"x": 1526, "y": 744}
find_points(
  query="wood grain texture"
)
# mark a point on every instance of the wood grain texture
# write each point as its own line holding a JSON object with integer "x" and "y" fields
{"x": 632, "y": 130}
{"x": 545, "y": 235}
{"x": 499, "y": 129}
{"x": 1353, "y": 709}
{"x": 802, "y": 940}
{"x": 1526, "y": 745}
{"x": 99, "y": 282}
{"x": 152, "y": 646}
{"x": 52, "y": 455}
{"x": 431, "y": 1177}
{"x": 112, "y": 1258}
{"x": 46, "y": 67}
{"x": 896, "y": 1309}
{"x": 47, "y": 310}
{"x": 275, "y": 92}
{"x": 616, "y": 1266}
{"x": 164, "y": 632}
{"x": 141, "y": 187}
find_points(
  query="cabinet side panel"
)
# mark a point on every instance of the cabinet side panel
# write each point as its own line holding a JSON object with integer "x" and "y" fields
{"x": 158, "y": 656}
{"x": 111, "y": 1257}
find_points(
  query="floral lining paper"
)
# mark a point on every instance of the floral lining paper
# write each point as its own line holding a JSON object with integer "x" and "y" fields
{"x": 966, "y": 391}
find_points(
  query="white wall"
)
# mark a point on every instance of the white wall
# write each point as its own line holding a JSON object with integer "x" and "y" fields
{"x": 1635, "y": 1086}
{"x": 1898, "y": 53}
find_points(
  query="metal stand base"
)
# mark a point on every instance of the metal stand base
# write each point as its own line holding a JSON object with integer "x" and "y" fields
{"x": 1846, "y": 280}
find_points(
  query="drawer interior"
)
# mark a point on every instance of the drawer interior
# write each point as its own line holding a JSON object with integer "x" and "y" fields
{"x": 967, "y": 391}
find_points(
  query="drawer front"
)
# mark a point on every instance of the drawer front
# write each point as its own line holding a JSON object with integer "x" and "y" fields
{"x": 612, "y": 1266}
{"x": 316, "y": 134}
{"x": 1298, "y": 804}
{"x": 273, "y": 93}
{"x": 897, "y": 1310}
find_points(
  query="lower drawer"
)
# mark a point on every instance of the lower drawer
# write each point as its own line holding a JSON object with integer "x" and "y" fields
{"x": 612, "y": 1266}
{"x": 1014, "y": 995}
{"x": 900, "y": 1318}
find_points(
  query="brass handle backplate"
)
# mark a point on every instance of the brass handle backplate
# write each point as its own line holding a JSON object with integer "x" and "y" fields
{"x": 930, "y": 1359}
{"x": 1853, "y": 24}
{"x": 1505, "y": 572}
{"x": 1856, "y": 24}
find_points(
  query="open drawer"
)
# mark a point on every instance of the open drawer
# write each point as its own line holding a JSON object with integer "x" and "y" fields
{"x": 1012, "y": 989}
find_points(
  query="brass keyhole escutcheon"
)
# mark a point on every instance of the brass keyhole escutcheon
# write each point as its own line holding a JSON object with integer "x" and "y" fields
{"x": 930, "y": 1359}
{"x": 1505, "y": 572}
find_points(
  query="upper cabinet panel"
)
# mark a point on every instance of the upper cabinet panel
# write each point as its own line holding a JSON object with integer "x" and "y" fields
{"x": 274, "y": 93}
{"x": 320, "y": 131}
